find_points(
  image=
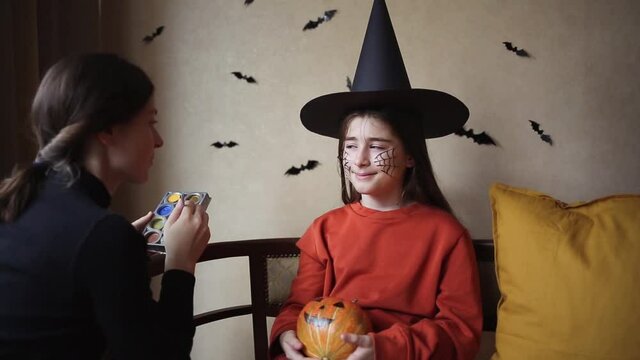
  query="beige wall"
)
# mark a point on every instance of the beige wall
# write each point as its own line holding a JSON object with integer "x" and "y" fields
{"x": 581, "y": 84}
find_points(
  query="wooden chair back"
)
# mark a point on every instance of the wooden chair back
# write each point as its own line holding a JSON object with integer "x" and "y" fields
{"x": 272, "y": 266}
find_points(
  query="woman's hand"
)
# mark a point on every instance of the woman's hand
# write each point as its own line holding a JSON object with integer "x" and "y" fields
{"x": 142, "y": 222}
{"x": 365, "y": 349}
{"x": 292, "y": 346}
{"x": 186, "y": 235}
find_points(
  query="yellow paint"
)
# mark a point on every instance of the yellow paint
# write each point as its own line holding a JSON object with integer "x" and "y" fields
{"x": 173, "y": 198}
{"x": 194, "y": 198}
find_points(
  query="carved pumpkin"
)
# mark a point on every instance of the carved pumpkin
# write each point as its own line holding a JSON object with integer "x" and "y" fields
{"x": 321, "y": 322}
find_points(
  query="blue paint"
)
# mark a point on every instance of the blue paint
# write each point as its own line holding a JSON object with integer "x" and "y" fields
{"x": 165, "y": 210}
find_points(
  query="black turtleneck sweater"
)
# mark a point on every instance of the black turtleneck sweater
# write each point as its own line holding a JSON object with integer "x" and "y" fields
{"x": 74, "y": 283}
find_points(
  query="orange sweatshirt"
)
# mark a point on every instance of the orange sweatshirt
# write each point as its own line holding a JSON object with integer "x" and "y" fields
{"x": 413, "y": 270}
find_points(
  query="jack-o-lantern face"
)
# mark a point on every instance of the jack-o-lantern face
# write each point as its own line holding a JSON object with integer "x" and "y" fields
{"x": 321, "y": 322}
{"x": 324, "y": 314}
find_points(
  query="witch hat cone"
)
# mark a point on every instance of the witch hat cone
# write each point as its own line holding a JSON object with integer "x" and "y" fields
{"x": 380, "y": 66}
{"x": 381, "y": 82}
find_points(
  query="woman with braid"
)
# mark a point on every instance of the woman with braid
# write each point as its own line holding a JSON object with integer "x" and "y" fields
{"x": 73, "y": 275}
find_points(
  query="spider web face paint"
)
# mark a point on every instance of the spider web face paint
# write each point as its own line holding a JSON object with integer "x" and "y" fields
{"x": 346, "y": 162}
{"x": 386, "y": 161}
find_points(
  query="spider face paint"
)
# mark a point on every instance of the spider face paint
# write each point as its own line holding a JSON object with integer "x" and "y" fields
{"x": 346, "y": 162}
{"x": 374, "y": 160}
{"x": 386, "y": 161}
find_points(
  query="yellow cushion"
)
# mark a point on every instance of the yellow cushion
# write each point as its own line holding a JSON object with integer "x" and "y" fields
{"x": 569, "y": 276}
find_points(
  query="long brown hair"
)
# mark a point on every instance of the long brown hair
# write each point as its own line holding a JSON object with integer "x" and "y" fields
{"x": 419, "y": 183}
{"x": 78, "y": 96}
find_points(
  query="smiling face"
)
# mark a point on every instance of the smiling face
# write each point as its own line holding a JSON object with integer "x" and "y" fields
{"x": 375, "y": 161}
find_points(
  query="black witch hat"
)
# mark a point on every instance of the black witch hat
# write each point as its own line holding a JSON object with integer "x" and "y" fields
{"x": 381, "y": 82}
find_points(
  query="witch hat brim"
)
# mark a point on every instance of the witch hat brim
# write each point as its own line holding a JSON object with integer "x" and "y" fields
{"x": 440, "y": 113}
{"x": 381, "y": 82}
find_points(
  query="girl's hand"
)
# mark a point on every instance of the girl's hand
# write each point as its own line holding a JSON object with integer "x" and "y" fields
{"x": 292, "y": 346}
{"x": 142, "y": 222}
{"x": 365, "y": 349}
{"x": 186, "y": 235}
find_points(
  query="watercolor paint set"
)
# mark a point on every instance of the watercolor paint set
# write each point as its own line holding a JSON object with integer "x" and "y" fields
{"x": 153, "y": 231}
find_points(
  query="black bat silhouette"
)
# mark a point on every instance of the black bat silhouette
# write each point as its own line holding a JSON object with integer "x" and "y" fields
{"x": 248, "y": 2}
{"x": 328, "y": 15}
{"x": 311, "y": 164}
{"x": 545, "y": 137}
{"x": 349, "y": 84}
{"x": 149, "y": 38}
{"x": 240, "y": 76}
{"x": 481, "y": 139}
{"x": 220, "y": 145}
{"x": 519, "y": 52}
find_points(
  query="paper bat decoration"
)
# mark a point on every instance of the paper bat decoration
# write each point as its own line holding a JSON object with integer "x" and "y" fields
{"x": 149, "y": 38}
{"x": 481, "y": 139}
{"x": 519, "y": 52}
{"x": 248, "y": 2}
{"x": 349, "y": 84}
{"x": 328, "y": 15}
{"x": 241, "y": 76}
{"x": 220, "y": 145}
{"x": 545, "y": 137}
{"x": 311, "y": 164}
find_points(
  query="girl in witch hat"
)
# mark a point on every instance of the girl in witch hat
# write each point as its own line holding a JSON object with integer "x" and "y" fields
{"x": 395, "y": 246}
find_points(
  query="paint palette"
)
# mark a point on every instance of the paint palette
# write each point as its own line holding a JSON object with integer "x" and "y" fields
{"x": 153, "y": 231}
